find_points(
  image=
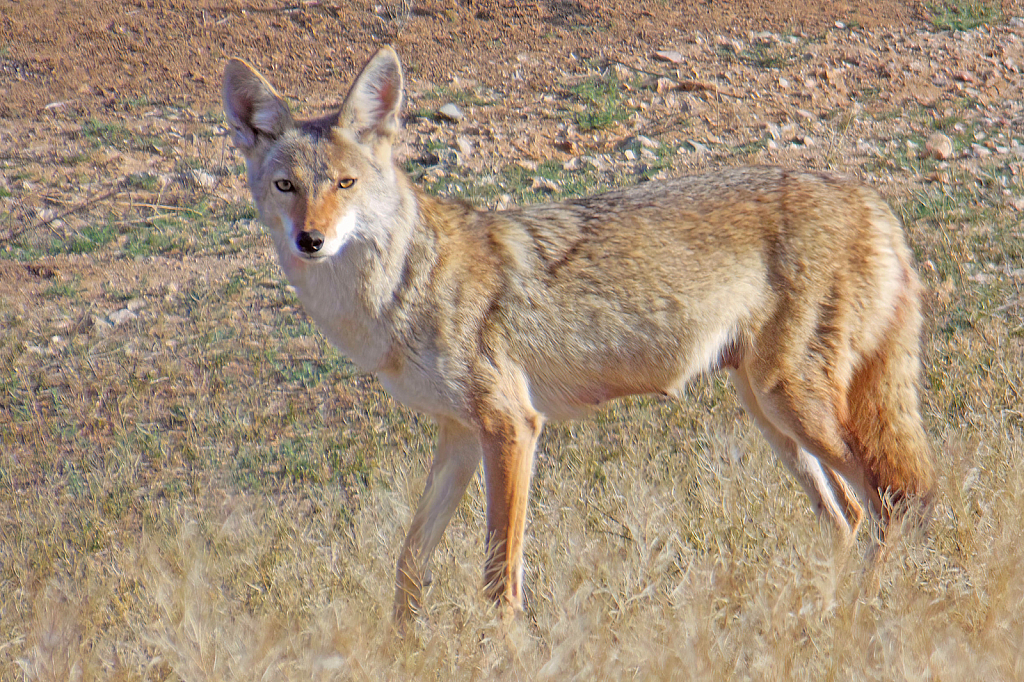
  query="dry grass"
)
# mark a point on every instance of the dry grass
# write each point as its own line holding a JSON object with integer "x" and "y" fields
{"x": 710, "y": 569}
{"x": 208, "y": 491}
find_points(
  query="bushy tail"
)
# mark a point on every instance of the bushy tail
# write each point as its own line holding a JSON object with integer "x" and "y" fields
{"x": 884, "y": 409}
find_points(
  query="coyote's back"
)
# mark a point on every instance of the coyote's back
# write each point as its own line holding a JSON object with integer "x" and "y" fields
{"x": 800, "y": 285}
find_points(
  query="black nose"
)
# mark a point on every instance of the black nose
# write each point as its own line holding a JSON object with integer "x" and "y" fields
{"x": 310, "y": 242}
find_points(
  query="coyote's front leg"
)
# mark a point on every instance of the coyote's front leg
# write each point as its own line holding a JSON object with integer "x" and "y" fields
{"x": 509, "y": 440}
{"x": 455, "y": 461}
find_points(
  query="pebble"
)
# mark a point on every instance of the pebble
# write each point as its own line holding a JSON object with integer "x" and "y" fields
{"x": 545, "y": 184}
{"x": 939, "y": 146}
{"x": 647, "y": 142}
{"x": 465, "y": 145}
{"x": 980, "y": 151}
{"x": 601, "y": 162}
{"x": 449, "y": 158}
{"x": 200, "y": 179}
{"x": 451, "y": 112}
{"x": 119, "y": 317}
{"x": 698, "y": 147}
{"x": 668, "y": 56}
{"x": 101, "y": 326}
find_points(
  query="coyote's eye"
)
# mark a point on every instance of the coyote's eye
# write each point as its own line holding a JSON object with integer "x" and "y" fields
{"x": 345, "y": 183}
{"x": 284, "y": 185}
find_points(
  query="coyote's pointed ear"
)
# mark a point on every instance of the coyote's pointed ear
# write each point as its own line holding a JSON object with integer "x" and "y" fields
{"x": 371, "y": 107}
{"x": 252, "y": 105}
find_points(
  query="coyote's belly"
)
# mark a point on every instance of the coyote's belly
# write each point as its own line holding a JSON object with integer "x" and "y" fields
{"x": 571, "y": 373}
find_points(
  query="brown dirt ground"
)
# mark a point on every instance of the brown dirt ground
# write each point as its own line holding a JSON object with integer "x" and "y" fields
{"x": 152, "y": 67}
{"x": 98, "y": 53}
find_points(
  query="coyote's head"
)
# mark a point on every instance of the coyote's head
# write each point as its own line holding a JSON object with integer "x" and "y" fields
{"x": 322, "y": 183}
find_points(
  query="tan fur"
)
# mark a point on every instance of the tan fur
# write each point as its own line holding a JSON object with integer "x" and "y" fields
{"x": 800, "y": 284}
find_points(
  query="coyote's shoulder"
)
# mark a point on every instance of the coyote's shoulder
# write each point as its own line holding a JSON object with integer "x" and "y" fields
{"x": 799, "y": 284}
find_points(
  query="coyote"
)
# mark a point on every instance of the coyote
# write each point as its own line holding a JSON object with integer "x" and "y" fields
{"x": 799, "y": 284}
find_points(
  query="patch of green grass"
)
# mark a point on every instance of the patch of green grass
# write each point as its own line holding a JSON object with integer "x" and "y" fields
{"x": 752, "y": 147}
{"x": 963, "y": 15}
{"x": 767, "y": 56}
{"x": 475, "y": 96}
{"x": 163, "y": 237}
{"x": 117, "y": 135}
{"x": 123, "y": 295}
{"x": 513, "y": 179}
{"x": 649, "y": 166}
{"x": 134, "y": 103}
{"x": 75, "y": 159}
{"x": 602, "y": 103}
{"x": 235, "y": 211}
{"x": 144, "y": 181}
{"x": 92, "y": 237}
{"x": 68, "y": 289}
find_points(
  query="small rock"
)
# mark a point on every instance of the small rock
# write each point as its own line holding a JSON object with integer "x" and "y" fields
{"x": 639, "y": 141}
{"x": 451, "y": 112}
{"x": 100, "y": 326}
{"x": 464, "y": 144}
{"x": 601, "y": 162}
{"x": 119, "y": 317}
{"x": 805, "y": 115}
{"x": 573, "y": 164}
{"x": 199, "y": 179}
{"x": 1018, "y": 204}
{"x": 980, "y": 151}
{"x": 647, "y": 142}
{"x": 630, "y": 155}
{"x": 450, "y": 158}
{"x": 545, "y": 184}
{"x": 939, "y": 146}
{"x": 866, "y": 147}
{"x": 698, "y": 147}
{"x": 664, "y": 85}
{"x": 783, "y": 83}
{"x": 965, "y": 77}
{"x": 567, "y": 146}
{"x": 668, "y": 56}
{"x": 623, "y": 73}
